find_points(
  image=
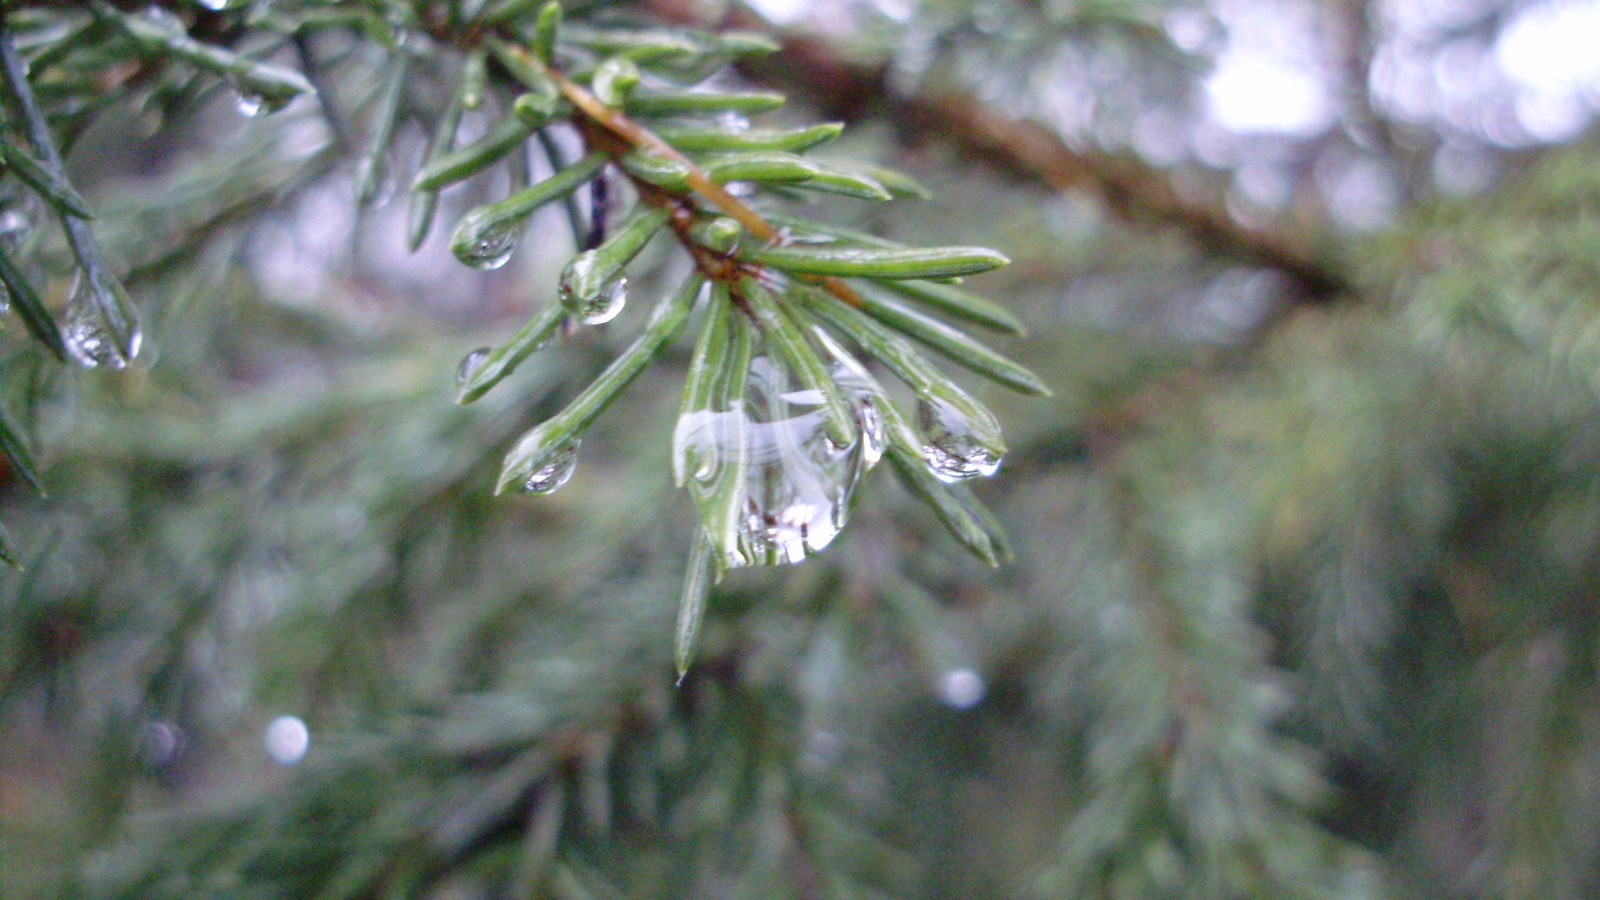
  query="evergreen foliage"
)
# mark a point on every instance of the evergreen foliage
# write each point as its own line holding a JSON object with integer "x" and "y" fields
{"x": 1291, "y": 584}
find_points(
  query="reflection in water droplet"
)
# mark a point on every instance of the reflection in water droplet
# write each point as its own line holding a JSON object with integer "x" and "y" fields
{"x": 469, "y": 365}
{"x": 553, "y": 470}
{"x": 87, "y": 336}
{"x": 490, "y": 246}
{"x": 606, "y": 305}
{"x": 951, "y": 447}
{"x": 960, "y": 688}
{"x": 799, "y": 486}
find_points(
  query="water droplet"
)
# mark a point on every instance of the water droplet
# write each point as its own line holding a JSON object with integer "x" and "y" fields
{"x": 89, "y": 338}
{"x": 801, "y": 485}
{"x": 469, "y": 365}
{"x": 553, "y": 470}
{"x": 287, "y": 739}
{"x": 951, "y": 445}
{"x": 591, "y": 301}
{"x": 960, "y": 688}
{"x": 489, "y": 245}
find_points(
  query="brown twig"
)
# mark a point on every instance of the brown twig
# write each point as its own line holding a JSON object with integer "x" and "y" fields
{"x": 633, "y": 134}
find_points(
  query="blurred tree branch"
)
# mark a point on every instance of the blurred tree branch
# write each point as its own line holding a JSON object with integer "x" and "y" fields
{"x": 1130, "y": 188}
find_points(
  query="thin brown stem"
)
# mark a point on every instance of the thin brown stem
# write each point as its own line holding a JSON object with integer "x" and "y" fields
{"x": 635, "y": 135}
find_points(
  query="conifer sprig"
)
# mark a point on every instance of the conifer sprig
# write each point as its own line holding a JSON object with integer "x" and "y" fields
{"x": 778, "y": 448}
{"x": 783, "y": 428}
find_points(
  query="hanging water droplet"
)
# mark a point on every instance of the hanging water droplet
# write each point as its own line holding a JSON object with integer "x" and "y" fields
{"x": 553, "y": 470}
{"x": 489, "y": 246}
{"x": 951, "y": 446}
{"x": 800, "y": 485}
{"x": 469, "y": 365}
{"x": 87, "y": 335}
{"x": 590, "y": 300}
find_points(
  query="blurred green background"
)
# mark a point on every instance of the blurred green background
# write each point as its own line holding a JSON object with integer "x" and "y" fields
{"x": 1307, "y": 541}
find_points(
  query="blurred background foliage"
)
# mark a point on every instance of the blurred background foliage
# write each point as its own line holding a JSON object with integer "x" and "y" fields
{"x": 1306, "y": 541}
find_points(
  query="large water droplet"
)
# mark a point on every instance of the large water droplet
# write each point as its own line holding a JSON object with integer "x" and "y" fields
{"x": 553, "y": 470}
{"x": 800, "y": 485}
{"x": 951, "y": 446}
{"x": 88, "y": 336}
{"x": 490, "y": 247}
{"x": 469, "y": 365}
